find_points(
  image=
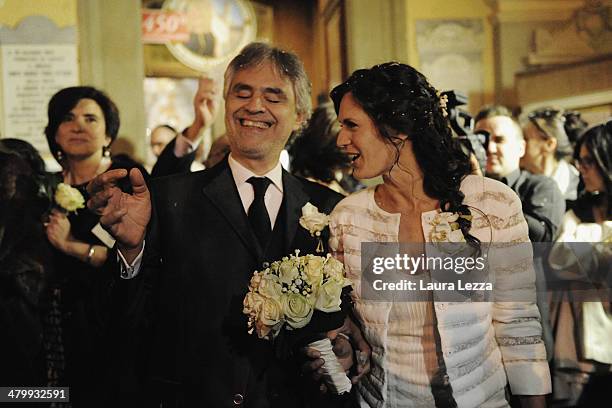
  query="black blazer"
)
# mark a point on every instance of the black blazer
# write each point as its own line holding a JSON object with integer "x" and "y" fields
{"x": 186, "y": 302}
{"x": 543, "y": 204}
{"x": 167, "y": 163}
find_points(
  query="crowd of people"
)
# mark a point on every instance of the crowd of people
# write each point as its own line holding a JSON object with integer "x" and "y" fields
{"x": 128, "y": 287}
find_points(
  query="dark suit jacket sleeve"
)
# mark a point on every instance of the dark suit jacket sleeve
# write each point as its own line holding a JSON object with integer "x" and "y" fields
{"x": 168, "y": 163}
{"x": 132, "y": 311}
{"x": 544, "y": 209}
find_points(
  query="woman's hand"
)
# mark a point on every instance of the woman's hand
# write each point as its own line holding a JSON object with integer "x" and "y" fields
{"x": 343, "y": 349}
{"x": 58, "y": 230}
{"x": 58, "y": 233}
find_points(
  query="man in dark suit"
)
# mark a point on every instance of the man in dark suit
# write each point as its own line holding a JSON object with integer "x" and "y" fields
{"x": 543, "y": 203}
{"x": 205, "y": 233}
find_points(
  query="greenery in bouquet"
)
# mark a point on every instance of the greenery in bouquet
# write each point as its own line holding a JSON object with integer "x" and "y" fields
{"x": 288, "y": 293}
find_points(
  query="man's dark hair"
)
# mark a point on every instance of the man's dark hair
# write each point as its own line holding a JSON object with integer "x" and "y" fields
{"x": 166, "y": 126}
{"x": 489, "y": 111}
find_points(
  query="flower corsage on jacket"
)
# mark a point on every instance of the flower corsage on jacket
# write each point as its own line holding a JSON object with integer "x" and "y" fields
{"x": 315, "y": 222}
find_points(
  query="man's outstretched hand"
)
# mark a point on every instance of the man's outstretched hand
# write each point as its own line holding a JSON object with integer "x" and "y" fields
{"x": 124, "y": 215}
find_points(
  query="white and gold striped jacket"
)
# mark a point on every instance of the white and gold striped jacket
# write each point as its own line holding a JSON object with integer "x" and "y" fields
{"x": 485, "y": 345}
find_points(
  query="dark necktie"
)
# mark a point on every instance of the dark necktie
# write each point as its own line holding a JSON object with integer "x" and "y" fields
{"x": 258, "y": 213}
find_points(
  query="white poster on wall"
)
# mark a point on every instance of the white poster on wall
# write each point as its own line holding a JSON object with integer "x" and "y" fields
{"x": 31, "y": 74}
{"x": 37, "y": 59}
{"x": 450, "y": 53}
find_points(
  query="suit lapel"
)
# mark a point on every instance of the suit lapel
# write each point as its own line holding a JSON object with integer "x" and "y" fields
{"x": 295, "y": 198}
{"x": 221, "y": 190}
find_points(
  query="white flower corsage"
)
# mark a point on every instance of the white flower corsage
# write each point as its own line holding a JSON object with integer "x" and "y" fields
{"x": 445, "y": 228}
{"x": 315, "y": 222}
{"x": 68, "y": 198}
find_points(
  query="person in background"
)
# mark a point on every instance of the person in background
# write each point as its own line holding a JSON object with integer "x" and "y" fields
{"x": 548, "y": 150}
{"x": 218, "y": 150}
{"x": 82, "y": 123}
{"x": 179, "y": 155}
{"x": 542, "y": 201}
{"x": 160, "y": 136}
{"x": 574, "y": 126}
{"x": 429, "y": 352}
{"x": 164, "y": 134}
{"x": 543, "y": 204}
{"x": 583, "y": 325}
{"x": 25, "y": 267}
{"x": 315, "y": 156}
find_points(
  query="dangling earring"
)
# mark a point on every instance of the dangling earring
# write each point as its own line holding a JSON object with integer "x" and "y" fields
{"x": 59, "y": 155}
{"x": 106, "y": 152}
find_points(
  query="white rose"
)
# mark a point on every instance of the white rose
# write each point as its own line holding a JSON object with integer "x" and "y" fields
{"x": 288, "y": 271}
{"x": 314, "y": 269}
{"x": 255, "y": 280}
{"x": 328, "y": 297}
{"x": 334, "y": 269}
{"x": 313, "y": 220}
{"x": 297, "y": 309}
{"x": 68, "y": 197}
{"x": 271, "y": 312}
{"x": 252, "y": 304}
{"x": 270, "y": 286}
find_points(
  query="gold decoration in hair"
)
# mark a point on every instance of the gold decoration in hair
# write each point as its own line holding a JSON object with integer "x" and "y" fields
{"x": 443, "y": 100}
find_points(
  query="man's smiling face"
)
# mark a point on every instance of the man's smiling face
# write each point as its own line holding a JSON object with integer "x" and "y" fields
{"x": 260, "y": 113}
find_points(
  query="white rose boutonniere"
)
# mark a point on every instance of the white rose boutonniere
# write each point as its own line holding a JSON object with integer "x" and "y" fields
{"x": 315, "y": 222}
{"x": 68, "y": 198}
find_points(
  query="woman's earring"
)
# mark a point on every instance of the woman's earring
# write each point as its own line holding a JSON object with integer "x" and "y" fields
{"x": 106, "y": 152}
{"x": 59, "y": 155}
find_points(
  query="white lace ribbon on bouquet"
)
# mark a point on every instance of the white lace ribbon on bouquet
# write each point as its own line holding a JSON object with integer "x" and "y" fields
{"x": 333, "y": 374}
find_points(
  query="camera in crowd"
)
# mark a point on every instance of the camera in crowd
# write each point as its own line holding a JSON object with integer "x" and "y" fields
{"x": 463, "y": 124}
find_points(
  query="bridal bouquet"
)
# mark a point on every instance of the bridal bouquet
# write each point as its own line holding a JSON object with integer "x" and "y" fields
{"x": 301, "y": 294}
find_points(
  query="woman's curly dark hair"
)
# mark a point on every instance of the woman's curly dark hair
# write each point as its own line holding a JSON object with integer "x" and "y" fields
{"x": 598, "y": 141}
{"x": 400, "y": 101}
